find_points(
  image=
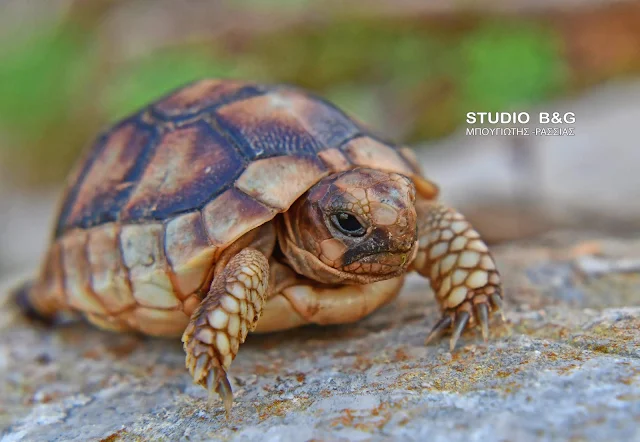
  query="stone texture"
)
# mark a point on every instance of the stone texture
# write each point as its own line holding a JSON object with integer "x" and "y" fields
{"x": 566, "y": 365}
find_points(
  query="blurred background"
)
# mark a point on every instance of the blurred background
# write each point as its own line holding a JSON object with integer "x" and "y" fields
{"x": 411, "y": 69}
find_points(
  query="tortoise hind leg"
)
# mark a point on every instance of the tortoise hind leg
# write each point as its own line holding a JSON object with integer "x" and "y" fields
{"x": 38, "y": 305}
{"x": 20, "y": 295}
{"x": 222, "y": 321}
{"x": 43, "y": 298}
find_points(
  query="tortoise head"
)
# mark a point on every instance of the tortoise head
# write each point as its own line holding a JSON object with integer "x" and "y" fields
{"x": 357, "y": 226}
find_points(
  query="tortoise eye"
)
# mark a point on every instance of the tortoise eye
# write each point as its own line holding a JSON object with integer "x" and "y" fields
{"x": 348, "y": 224}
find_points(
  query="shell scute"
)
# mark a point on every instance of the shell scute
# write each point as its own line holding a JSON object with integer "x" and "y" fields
{"x": 77, "y": 271}
{"x": 109, "y": 276}
{"x": 118, "y": 163}
{"x": 52, "y": 274}
{"x": 143, "y": 253}
{"x": 190, "y": 166}
{"x": 367, "y": 152}
{"x": 328, "y": 124}
{"x": 335, "y": 160}
{"x": 284, "y": 123}
{"x": 279, "y": 181}
{"x": 189, "y": 252}
{"x": 200, "y": 95}
{"x": 232, "y": 214}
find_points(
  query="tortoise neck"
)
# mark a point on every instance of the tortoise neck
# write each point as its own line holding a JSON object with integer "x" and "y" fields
{"x": 298, "y": 230}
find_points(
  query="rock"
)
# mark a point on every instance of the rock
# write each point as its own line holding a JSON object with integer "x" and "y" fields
{"x": 565, "y": 366}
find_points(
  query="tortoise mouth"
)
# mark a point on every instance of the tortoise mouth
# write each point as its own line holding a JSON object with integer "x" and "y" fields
{"x": 387, "y": 263}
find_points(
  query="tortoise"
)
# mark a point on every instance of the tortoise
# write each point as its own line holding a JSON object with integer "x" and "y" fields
{"x": 228, "y": 207}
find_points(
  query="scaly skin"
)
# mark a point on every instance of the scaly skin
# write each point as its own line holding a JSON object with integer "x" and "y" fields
{"x": 224, "y": 318}
{"x": 460, "y": 268}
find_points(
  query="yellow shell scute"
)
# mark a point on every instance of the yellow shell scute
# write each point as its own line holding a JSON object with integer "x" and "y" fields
{"x": 279, "y": 181}
{"x": 189, "y": 252}
{"x": 192, "y": 274}
{"x": 144, "y": 257}
{"x": 233, "y": 214}
{"x": 78, "y": 274}
{"x": 109, "y": 275}
{"x": 367, "y": 152}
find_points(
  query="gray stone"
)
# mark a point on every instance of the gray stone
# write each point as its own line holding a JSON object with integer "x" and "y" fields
{"x": 562, "y": 367}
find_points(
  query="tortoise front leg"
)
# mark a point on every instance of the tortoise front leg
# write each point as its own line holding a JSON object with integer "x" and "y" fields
{"x": 460, "y": 268}
{"x": 221, "y": 322}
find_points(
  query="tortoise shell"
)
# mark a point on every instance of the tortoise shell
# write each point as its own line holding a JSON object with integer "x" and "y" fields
{"x": 160, "y": 194}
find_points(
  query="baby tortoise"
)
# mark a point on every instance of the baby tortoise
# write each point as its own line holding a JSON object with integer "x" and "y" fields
{"x": 228, "y": 207}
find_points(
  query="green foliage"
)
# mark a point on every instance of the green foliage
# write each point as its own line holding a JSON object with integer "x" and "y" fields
{"x": 349, "y": 52}
{"x": 270, "y": 5}
{"x": 357, "y": 100}
{"x": 377, "y": 69}
{"x": 510, "y": 65}
{"x": 40, "y": 78}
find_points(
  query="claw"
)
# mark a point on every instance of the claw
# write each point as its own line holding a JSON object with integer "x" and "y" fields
{"x": 201, "y": 366}
{"x": 211, "y": 382}
{"x": 443, "y": 324}
{"x": 462, "y": 319}
{"x": 497, "y": 301}
{"x": 225, "y": 392}
{"x": 482, "y": 314}
{"x": 217, "y": 382}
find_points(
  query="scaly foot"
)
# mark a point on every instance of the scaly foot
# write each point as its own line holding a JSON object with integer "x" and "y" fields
{"x": 461, "y": 271}
{"x": 222, "y": 321}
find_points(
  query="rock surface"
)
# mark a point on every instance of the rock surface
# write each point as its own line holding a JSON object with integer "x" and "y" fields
{"x": 565, "y": 366}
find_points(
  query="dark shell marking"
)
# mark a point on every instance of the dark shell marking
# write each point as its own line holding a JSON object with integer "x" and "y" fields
{"x": 107, "y": 177}
{"x": 189, "y": 165}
